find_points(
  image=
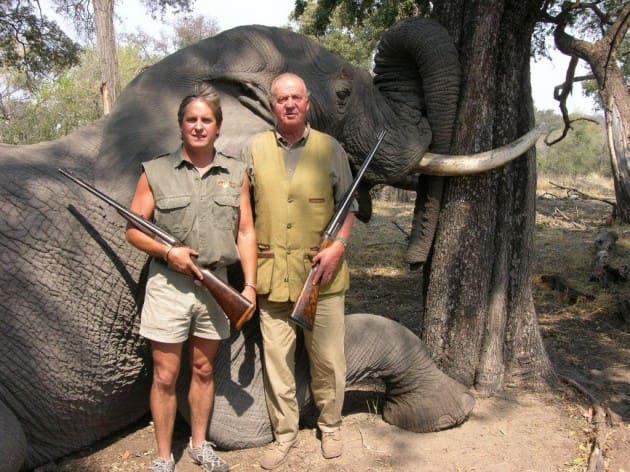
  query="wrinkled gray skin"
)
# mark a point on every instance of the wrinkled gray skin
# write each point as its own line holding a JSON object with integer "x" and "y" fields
{"x": 73, "y": 368}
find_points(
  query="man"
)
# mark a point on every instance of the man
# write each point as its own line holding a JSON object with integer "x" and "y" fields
{"x": 297, "y": 174}
{"x": 180, "y": 191}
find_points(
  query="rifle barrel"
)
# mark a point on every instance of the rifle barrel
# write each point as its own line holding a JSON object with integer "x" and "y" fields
{"x": 141, "y": 223}
{"x": 344, "y": 205}
{"x": 234, "y": 304}
{"x": 304, "y": 309}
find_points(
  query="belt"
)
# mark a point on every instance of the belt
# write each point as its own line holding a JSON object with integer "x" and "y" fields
{"x": 162, "y": 262}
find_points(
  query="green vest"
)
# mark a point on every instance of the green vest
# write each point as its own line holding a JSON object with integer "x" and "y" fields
{"x": 201, "y": 211}
{"x": 291, "y": 216}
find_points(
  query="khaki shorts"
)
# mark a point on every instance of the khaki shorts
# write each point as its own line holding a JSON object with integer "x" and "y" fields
{"x": 175, "y": 308}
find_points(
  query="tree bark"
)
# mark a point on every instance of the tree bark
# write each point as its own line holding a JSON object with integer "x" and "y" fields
{"x": 479, "y": 322}
{"x": 601, "y": 56}
{"x": 106, "y": 46}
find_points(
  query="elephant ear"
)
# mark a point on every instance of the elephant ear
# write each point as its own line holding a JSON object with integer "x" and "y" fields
{"x": 255, "y": 98}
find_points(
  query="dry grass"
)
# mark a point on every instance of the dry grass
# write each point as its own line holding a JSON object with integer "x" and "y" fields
{"x": 380, "y": 279}
{"x": 593, "y": 184}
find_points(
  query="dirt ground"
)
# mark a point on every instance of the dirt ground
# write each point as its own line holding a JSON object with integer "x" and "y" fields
{"x": 587, "y": 340}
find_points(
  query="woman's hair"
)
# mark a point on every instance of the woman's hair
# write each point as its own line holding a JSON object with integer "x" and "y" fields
{"x": 207, "y": 94}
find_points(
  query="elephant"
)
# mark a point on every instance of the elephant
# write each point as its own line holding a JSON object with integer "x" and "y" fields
{"x": 67, "y": 268}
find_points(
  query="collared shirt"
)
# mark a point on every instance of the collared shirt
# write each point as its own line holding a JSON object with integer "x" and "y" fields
{"x": 339, "y": 174}
{"x": 200, "y": 210}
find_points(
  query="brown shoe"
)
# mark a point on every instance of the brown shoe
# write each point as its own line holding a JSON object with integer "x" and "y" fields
{"x": 277, "y": 454}
{"x": 331, "y": 444}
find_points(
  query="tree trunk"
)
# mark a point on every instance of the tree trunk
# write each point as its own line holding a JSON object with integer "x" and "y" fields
{"x": 618, "y": 132}
{"x": 479, "y": 321}
{"x": 106, "y": 46}
{"x": 601, "y": 56}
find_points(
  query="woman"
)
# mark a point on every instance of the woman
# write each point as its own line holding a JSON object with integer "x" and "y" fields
{"x": 201, "y": 197}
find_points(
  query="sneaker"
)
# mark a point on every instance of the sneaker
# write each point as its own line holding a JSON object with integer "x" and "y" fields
{"x": 331, "y": 444}
{"x": 277, "y": 454}
{"x": 163, "y": 465}
{"x": 204, "y": 456}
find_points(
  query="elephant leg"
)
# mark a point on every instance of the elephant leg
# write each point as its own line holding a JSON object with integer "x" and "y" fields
{"x": 12, "y": 441}
{"x": 239, "y": 418}
{"x": 419, "y": 397}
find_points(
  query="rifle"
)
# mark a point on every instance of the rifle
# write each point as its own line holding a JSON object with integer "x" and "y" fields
{"x": 236, "y": 306}
{"x": 305, "y": 306}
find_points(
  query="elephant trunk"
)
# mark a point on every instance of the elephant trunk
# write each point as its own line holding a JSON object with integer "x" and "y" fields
{"x": 417, "y": 70}
{"x": 419, "y": 397}
{"x": 414, "y": 98}
{"x": 421, "y": 52}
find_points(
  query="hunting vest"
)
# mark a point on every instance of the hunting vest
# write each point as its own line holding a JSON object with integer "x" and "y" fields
{"x": 291, "y": 216}
{"x": 202, "y": 211}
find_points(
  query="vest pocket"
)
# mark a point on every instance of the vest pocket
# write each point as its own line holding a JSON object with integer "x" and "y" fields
{"x": 174, "y": 214}
{"x": 265, "y": 272}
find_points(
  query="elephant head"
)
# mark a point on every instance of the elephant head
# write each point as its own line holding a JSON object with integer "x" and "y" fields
{"x": 72, "y": 285}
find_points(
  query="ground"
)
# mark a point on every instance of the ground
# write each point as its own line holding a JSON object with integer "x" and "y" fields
{"x": 588, "y": 342}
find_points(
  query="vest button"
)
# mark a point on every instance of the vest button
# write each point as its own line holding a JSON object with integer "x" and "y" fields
{"x": 289, "y": 226}
{"x": 290, "y": 200}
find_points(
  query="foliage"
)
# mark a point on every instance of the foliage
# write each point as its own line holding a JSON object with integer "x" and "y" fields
{"x": 81, "y": 13}
{"x": 582, "y": 152}
{"x": 588, "y": 21}
{"x": 348, "y": 28}
{"x": 186, "y": 30}
{"x": 69, "y": 101}
{"x": 32, "y": 45}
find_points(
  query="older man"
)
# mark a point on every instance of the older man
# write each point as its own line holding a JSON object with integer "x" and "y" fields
{"x": 297, "y": 175}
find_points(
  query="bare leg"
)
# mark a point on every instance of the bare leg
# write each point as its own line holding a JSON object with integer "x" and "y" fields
{"x": 201, "y": 393}
{"x": 166, "y": 362}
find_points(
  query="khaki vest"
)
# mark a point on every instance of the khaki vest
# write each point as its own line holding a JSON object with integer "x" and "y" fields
{"x": 291, "y": 216}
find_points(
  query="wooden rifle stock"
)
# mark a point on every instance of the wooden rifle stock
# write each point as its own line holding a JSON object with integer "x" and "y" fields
{"x": 236, "y": 307}
{"x": 305, "y": 307}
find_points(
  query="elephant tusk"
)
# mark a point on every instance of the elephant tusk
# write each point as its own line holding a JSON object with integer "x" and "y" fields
{"x": 445, "y": 165}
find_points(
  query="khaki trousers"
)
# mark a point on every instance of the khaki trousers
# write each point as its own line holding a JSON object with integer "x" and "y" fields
{"x": 325, "y": 347}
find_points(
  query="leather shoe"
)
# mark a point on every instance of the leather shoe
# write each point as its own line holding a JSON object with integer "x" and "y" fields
{"x": 277, "y": 454}
{"x": 331, "y": 444}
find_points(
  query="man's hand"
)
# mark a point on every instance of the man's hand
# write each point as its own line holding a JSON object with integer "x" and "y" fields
{"x": 328, "y": 260}
{"x": 180, "y": 259}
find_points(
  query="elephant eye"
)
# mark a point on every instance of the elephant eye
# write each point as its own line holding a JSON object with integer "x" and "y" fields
{"x": 343, "y": 94}
{"x": 343, "y": 90}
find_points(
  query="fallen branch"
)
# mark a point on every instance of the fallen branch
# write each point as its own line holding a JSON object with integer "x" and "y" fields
{"x": 585, "y": 196}
{"x": 601, "y": 419}
{"x": 558, "y": 211}
{"x": 402, "y": 230}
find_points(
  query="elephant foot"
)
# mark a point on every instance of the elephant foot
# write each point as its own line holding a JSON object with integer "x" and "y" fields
{"x": 447, "y": 404}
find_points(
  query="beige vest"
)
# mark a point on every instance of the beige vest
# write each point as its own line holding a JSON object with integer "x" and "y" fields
{"x": 291, "y": 216}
